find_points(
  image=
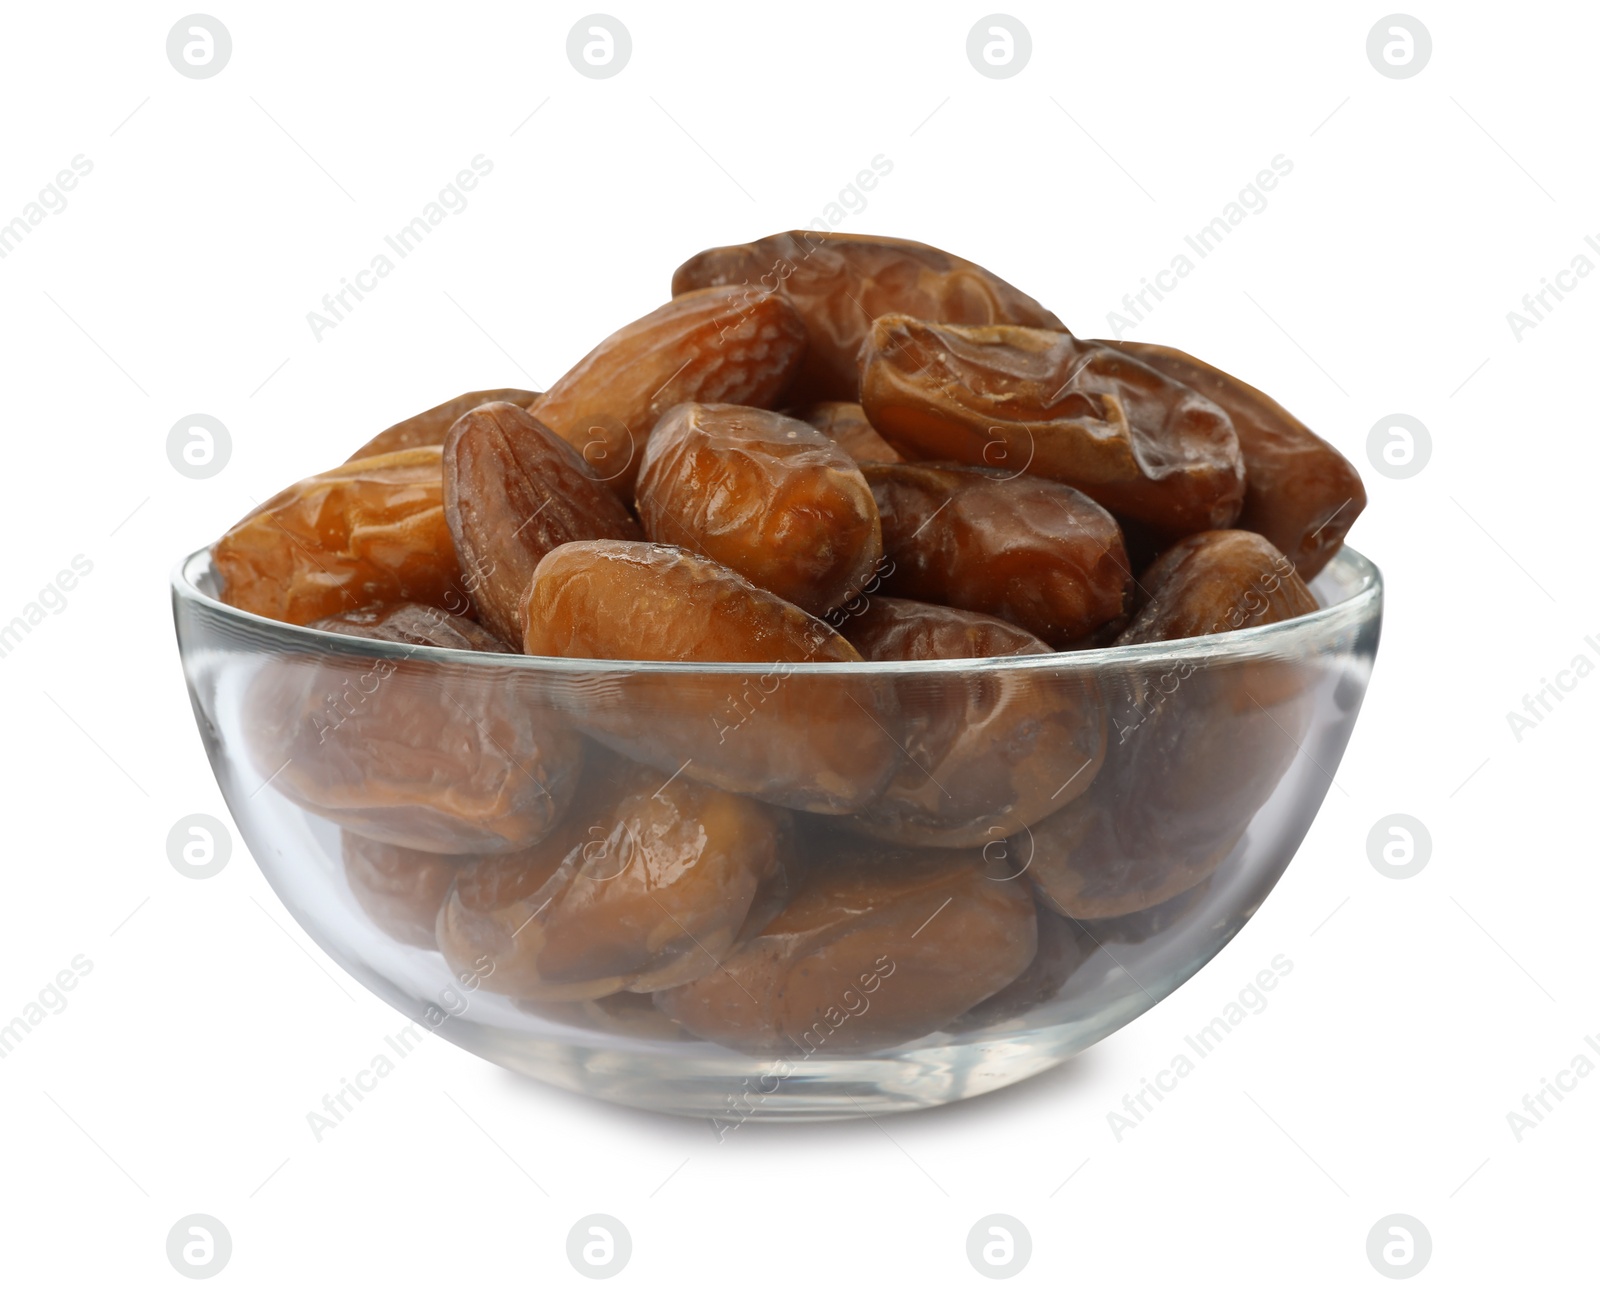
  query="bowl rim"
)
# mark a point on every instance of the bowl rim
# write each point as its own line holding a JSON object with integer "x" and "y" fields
{"x": 1280, "y": 640}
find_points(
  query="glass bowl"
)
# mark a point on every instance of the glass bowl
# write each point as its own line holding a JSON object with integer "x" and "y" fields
{"x": 775, "y": 892}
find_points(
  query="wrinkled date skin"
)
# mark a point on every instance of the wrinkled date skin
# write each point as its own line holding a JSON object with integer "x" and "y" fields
{"x": 769, "y": 496}
{"x": 1216, "y": 581}
{"x": 1031, "y": 400}
{"x": 401, "y": 890}
{"x": 1030, "y": 551}
{"x": 987, "y": 753}
{"x": 713, "y": 346}
{"x": 367, "y": 532}
{"x": 1195, "y": 750}
{"x": 431, "y": 426}
{"x": 1300, "y": 492}
{"x": 643, "y": 886}
{"x": 876, "y": 947}
{"x": 821, "y": 743}
{"x": 840, "y": 282}
{"x": 845, "y": 424}
{"x": 414, "y": 753}
{"x": 514, "y": 490}
{"x": 416, "y": 624}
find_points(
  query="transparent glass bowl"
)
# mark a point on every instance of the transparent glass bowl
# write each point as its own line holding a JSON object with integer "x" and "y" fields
{"x": 799, "y": 892}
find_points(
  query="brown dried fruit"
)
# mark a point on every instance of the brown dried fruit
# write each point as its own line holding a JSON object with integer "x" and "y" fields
{"x": 1042, "y": 402}
{"x": 1145, "y": 923}
{"x": 1063, "y": 947}
{"x": 417, "y": 624}
{"x": 644, "y": 885}
{"x": 876, "y": 947}
{"x": 514, "y": 490}
{"x": 414, "y": 752}
{"x": 845, "y": 424}
{"x": 1167, "y": 809}
{"x": 1030, "y": 551}
{"x": 1197, "y": 748}
{"x": 987, "y": 753}
{"x": 769, "y": 496}
{"x": 1216, "y": 581}
{"x": 367, "y": 532}
{"x": 840, "y": 282}
{"x": 715, "y": 345}
{"x": 810, "y": 742}
{"x": 1300, "y": 492}
{"x": 432, "y": 425}
{"x": 401, "y": 890}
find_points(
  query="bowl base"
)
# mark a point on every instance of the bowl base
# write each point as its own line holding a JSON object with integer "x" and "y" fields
{"x": 730, "y": 1089}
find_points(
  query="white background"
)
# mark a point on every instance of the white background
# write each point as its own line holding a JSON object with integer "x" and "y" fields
{"x": 178, "y": 280}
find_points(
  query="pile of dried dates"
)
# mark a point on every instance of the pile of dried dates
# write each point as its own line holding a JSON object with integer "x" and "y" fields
{"x": 824, "y": 448}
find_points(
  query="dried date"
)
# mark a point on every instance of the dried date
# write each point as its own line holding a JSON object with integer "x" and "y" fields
{"x": 875, "y": 948}
{"x": 411, "y": 751}
{"x": 432, "y": 425}
{"x": 367, "y": 532}
{"x": 1030, "y": 551}
{"x": 1300, "y": 492}
{"x": 646, "y": 884}
{"x": 514, "y": 490}
{"x": 845, "y": 424}
{"x": 1031, "y": 400}
{"x": 711, "y": 346}
{"x": 988, "y": 752}
{"x": 840, "y": 282}
{"x": 815, "y": 742}
{"x": 767, "y": 495}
